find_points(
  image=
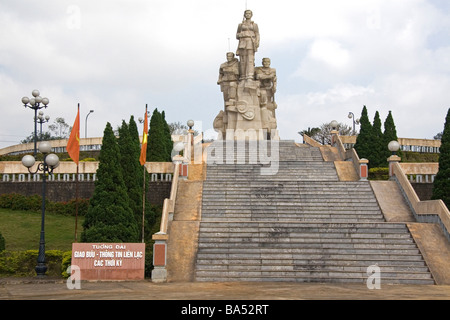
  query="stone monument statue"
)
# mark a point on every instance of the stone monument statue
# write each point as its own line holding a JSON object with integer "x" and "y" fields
{"x": 268, "y": 86}
{"x": 248, "y": 36}
{"x": 248, "y": 92}
{"x": 228, "y": 81}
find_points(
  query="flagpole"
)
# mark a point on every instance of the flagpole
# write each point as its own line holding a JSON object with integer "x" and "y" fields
{"x": 76, "y": 196}
{"x": 143, "y": 206}
{"x": 76, "y": 205}
{"x": 143, "y": 186}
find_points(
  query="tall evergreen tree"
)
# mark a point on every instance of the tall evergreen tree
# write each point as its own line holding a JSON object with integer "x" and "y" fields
{"x": 109, "y": 217}
{"x": 377, "y": 158}
{"x": 441, "y": 185}
{"x": 363, "y": 145}
{"x": 136, "y": 145}
{"x": 150, "y": 210}
{"x": 167, "y": 138}
{"x": 390, "y": 134}
{"x": 134, "y": 135}
{"x": 156, "y": 149}
{"x": 131, "y": 171}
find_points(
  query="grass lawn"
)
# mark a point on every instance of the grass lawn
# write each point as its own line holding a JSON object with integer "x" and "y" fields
{"x": 21, "y": 230}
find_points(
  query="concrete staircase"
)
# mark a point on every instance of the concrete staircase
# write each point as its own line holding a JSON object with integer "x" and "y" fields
{"x": 299, "y": 223}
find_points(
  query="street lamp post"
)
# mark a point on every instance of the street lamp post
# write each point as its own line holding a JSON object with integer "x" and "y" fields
{"x": 352, "y": 116}
{"x": 190, "y": 124}
{"x": 334, "y": 131}
{"x": 393, "y": 146}
{"x": 51, "y": 161}
{"x": 85, "y": 123}
{"x": 41, "y": 120}
{"x": 35, "y": 104}
{"x": 141, "y": 120}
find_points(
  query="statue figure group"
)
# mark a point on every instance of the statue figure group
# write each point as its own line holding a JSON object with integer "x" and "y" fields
{"x": 248, "y": 91}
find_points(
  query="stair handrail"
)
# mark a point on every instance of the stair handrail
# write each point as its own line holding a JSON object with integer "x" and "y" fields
{"x": 360, "y": 165}
{"x": 432, "y": 211}
{"x": 337, "y": 142}
{"x": 159, "y": 273}
{"x": 308, "y": 140}
{"x": 169, "y": 203}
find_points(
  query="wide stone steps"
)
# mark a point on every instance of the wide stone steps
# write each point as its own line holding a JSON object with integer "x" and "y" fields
{"x": 296, "y": 222}
{"x": 315, "y": 201}
{"x": 305, "y": 189}
{"x": 223, "y": 152}
{"x": 260, "y": 251}
{"x": 302, "y": 218}
{"x": 310, "y": 171}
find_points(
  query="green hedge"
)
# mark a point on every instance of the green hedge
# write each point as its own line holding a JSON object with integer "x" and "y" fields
{"x": 409, "y": 156}
{"x": 15, "y": 201}
{"x": 22, "y": 263}
{"x": 65, "y": 263}
{"x": 84, "y": 156}
{"x": 379, "y": 174}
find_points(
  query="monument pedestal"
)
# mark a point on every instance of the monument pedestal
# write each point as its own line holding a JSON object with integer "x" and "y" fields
{"x": 250, "y": 135}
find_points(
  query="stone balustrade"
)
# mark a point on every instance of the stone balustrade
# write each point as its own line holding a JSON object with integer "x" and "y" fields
{"x": 14, "y": 171}
{"x": 423, "y": 172}
{"x": 431, "y": 211}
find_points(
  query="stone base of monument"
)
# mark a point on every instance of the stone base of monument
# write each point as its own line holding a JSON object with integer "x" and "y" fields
{"x": 250, "y": 134}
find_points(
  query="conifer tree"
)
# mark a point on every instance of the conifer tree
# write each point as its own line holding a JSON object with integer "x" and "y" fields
{"x": 167, "y": 138}
{"x": 134, "y": 135}
{"x": 136, "y": 145}
{"x": 156, "y": 148}
{"x": 441, "y": 185}
{"x": 390, "y": 134}
{"x": 377, "y": 157}
{"x": 131, "y": 171}
{"x": 364, "y": 143}
{"x": 109, "y": 217}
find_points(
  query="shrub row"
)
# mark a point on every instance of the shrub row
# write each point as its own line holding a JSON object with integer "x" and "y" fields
{"x": 84, "y": 156}
{"x": 15, "y": 201}
{"x": 409, "y": 156}
{"x": 22, "y": 263}
{"x": 379, "y": 174}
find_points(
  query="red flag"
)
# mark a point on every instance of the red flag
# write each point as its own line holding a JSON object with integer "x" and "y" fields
{"x": 142, "y": 158}
{"x": 73, "y": 145}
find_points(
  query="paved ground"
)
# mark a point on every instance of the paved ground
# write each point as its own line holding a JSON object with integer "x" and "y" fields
{"x": 219, "y": 300}
{"x": 32, "y": 289}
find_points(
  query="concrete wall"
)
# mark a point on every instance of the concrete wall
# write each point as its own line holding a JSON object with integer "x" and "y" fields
{"x": 10, "y": 167}
{"x": 424, "y": 190}
{"x": 64, "y": 191}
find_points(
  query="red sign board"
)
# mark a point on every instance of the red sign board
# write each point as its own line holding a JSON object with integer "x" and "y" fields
{"x": 109, "y": 261}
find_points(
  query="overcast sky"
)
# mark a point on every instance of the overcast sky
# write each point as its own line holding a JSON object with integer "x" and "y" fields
{"x": 331, "y": 57}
